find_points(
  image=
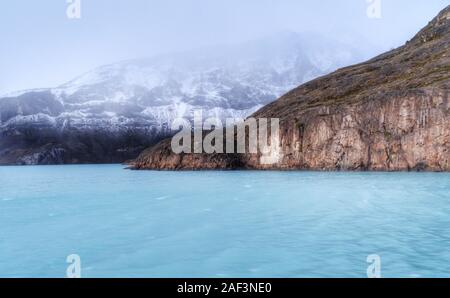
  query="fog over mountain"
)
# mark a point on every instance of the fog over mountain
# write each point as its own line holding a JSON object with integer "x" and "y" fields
{"x": 111, "y": 113}
{"x": 390, "y": 113}
{"x": 42, "y": 47}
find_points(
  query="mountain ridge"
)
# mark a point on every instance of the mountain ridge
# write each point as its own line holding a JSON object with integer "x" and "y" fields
{"x": 138, "y": 99}
{"x": 388, "y": 113}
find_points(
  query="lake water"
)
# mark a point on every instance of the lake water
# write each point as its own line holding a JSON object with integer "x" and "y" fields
{"x": 126, "y": 223}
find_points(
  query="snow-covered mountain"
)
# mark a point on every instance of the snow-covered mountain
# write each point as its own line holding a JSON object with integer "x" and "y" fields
{"x": 130, "y": 104}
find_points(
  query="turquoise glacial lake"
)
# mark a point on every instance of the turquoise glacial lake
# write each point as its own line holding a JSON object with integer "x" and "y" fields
{"x": 126, "y": 223}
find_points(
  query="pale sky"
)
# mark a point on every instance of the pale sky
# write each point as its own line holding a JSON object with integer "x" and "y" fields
{"x": 41, "y": 47}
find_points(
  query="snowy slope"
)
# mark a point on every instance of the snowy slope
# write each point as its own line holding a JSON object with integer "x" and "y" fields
{"x": 147, "y": 94}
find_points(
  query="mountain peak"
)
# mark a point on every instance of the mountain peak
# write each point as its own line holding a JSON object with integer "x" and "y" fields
{"x": 389, "y": 113}
{"x": 438, "y": 28}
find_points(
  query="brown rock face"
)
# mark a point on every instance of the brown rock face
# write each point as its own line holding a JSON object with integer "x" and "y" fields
{"x": 398, "y": 131}
{"x": 161, "y": 157}
{"x": 390, "y": 113}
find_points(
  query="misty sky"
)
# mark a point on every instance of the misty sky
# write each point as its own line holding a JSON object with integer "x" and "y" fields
{"x": 41, "y": 47}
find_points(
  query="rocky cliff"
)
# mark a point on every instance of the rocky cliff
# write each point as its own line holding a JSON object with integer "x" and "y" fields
{"x": 113, "y": 112}
{"x": 389, "y": 113}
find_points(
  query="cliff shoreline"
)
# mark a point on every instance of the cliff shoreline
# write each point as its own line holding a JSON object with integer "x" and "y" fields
{"x": 390, "y": 113}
